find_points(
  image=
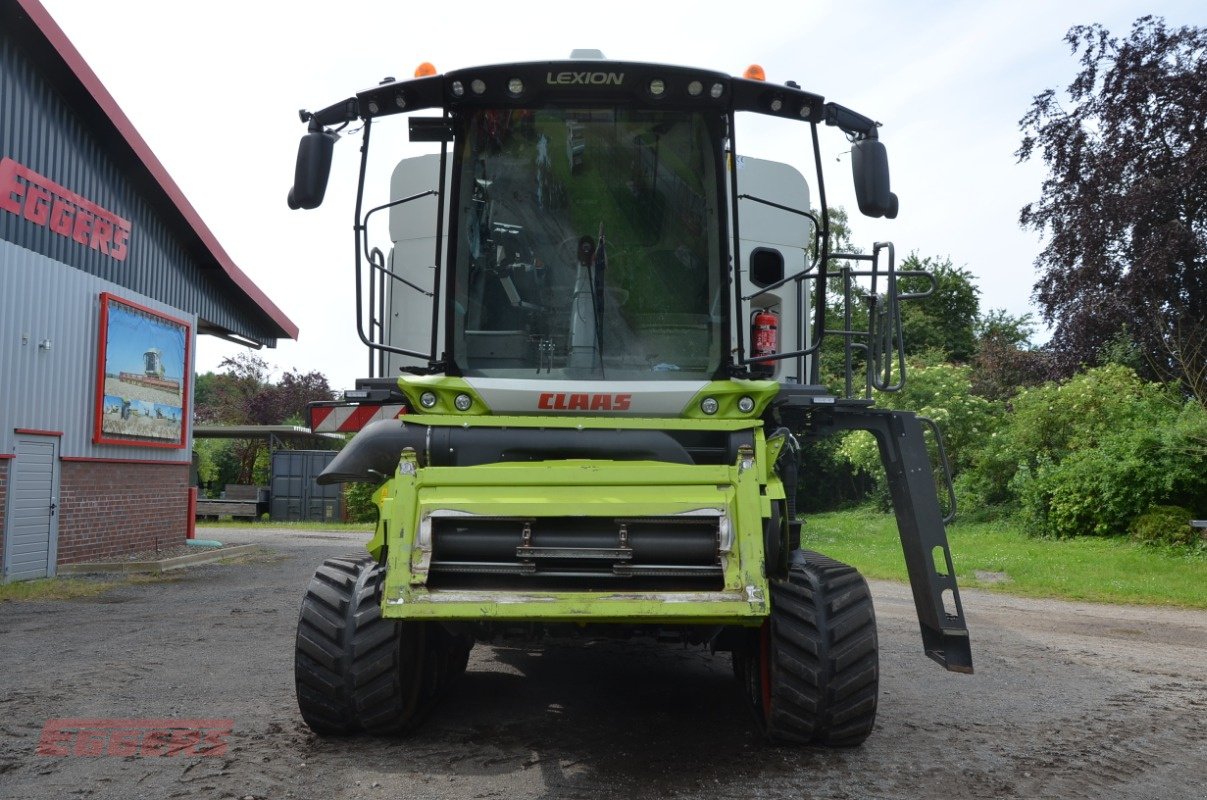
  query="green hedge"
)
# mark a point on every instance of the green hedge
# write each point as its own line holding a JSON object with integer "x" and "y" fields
{"x": 1089, "y": 456}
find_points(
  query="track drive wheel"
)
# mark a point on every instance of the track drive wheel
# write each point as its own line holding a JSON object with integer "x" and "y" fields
{"x": 811, "y": 673}
{"x": 355, "y": 671}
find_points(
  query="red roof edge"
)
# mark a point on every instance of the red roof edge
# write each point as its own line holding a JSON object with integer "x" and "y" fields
{"x": 84, "y": 74}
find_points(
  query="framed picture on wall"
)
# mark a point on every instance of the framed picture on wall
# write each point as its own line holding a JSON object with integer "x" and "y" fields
{"x": 142, "y": 388}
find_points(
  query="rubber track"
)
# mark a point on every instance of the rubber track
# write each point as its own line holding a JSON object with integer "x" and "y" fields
{"x": 824, "y": 662}
{"x": 353, "y": 670}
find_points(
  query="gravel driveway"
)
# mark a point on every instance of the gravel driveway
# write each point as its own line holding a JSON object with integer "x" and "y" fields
{"x": 1069, "y": 700}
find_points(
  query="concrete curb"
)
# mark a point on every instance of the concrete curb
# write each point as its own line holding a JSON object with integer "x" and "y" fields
{"x": 207, "y": 556}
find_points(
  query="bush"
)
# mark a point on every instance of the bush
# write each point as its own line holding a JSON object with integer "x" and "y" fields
{"x": 1048, "y": 423}
{"x": 942, "y": 392}
{"x": 827, "y": 481}
{"x": 1088, "y": 456}
{"x": 1096, "y": 491}
{"x": 1164, "y": 525}
{"x": 358, "y": 502}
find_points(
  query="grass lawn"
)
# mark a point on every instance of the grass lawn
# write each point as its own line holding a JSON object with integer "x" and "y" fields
{"x": 1007, "y": 560}
{"x": 53, "y": 589}
{"x": 70, "y": 588}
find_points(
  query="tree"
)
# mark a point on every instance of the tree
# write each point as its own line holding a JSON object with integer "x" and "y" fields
{"x": 840, "y": 232}
{"x": 1124, "y": 204}
{"x": 946, "y": 320}
{"x": 1002, "y": 326}
{"x": 245, "y": 394}
{"x": 1005, "y": 360}
{"x": 285, "y": 402}
{"x": 230, "y": 397}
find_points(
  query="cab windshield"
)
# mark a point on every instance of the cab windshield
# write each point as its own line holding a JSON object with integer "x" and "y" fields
{"x": 587, "y": 245}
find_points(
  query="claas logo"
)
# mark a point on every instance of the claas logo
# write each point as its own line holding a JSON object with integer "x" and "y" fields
{"x": 557, "y": 401}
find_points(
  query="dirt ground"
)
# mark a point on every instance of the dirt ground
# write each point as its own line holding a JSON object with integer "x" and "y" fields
{"x": 1069, "y": 700}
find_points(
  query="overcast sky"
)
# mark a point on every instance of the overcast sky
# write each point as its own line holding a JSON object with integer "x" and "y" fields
{"x": 215, "y": 87}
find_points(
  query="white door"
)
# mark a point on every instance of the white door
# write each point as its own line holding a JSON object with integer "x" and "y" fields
{"x": 31, "y": 535}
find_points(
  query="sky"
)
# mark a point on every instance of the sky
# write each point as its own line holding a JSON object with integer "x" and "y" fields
{"x": 131, "y": 332}
{"x": 214, "y": 88}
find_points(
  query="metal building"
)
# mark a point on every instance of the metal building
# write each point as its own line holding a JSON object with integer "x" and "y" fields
{"x": 107, "y": 276}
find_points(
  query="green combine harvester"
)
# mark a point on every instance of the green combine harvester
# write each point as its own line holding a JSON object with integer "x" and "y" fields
{"x": 594, "y": 334}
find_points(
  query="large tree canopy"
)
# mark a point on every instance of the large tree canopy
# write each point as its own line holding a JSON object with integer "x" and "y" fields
{"x": 1124, "y": 204}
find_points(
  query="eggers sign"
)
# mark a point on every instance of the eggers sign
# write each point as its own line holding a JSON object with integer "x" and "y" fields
{"x": 125, "y": 738}
{"x": 43, "y": 202}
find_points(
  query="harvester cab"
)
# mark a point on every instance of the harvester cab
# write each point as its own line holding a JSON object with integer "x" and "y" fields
{"x": 594, "y": 331}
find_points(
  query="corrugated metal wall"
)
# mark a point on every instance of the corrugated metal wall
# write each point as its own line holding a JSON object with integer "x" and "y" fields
{"x": 295, "y": 495}
{"x": 55, "y": 389}
{"x": 40, "y": 130}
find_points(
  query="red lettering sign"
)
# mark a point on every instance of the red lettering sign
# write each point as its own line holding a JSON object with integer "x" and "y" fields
{"x": 121, "y": 239}
{"x": 124, "y": 738}
{"x": 550, "y": 401}
{"x": 37, "y": 205}
{"x": 11, "y": 189}
{"x": 62, "y": 217}
{"x": 43, "y": 202}
{"x": 83, "y": 225}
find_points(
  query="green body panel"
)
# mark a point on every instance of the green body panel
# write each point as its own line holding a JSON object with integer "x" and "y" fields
{"x": 739, "y": 494}
{"x": 727, "y": 393}
{"x": 445, "y": 388}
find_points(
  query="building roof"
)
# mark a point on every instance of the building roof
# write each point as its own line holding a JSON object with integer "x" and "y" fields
{"x": 77, "y": 70}
{"x": 294, "y": 434}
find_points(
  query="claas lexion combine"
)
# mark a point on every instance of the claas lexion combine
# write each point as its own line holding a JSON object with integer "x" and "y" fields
{"x": 602, "y": 327}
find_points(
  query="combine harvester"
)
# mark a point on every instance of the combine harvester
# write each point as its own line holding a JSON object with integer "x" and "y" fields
{"x": 153, "y": 373}
{"x": 594, "y": 336}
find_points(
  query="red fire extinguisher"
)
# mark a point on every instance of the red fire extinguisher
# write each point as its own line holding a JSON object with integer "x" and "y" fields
{"x": 764, "y": 340}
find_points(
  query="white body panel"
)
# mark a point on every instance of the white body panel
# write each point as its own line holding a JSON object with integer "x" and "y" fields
{"x": 408, "y": 319}
{"x": 764, "y": 227}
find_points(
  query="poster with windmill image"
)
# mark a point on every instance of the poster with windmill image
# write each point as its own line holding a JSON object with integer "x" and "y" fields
{"x": 142, "y": 390}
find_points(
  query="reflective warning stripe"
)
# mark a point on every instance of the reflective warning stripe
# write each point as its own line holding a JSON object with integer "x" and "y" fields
{"x": 349, "y": 419}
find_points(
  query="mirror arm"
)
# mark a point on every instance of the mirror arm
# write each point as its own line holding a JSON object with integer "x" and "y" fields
{"x": 343, "y": 112}
{"x": 851, "y": 122}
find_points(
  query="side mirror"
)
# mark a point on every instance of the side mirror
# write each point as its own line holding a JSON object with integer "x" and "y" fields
{"x": 312, "y": 170}
{"x": 869, "y": 168}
